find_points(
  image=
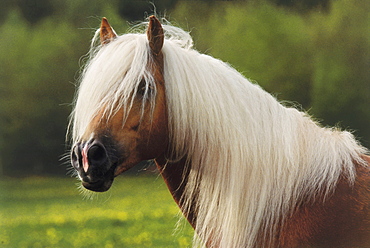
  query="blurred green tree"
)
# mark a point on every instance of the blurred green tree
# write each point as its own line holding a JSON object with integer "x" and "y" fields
{"x": 40, "y": 63}
{"x": 134, "y": 10}
{"x": 35, "y": 78}
{"x": 304, "y": 5}
{"x": 341, "y": 80}
{"x": 35, "y": 10}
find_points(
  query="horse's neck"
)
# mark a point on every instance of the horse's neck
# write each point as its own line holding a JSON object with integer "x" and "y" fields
{"x": 172, "y": 174}
{"x": 175, "y": 176}
{"x": 341, "y": 220}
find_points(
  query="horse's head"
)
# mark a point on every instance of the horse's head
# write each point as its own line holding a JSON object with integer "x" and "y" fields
{"x": 120, "y": 133}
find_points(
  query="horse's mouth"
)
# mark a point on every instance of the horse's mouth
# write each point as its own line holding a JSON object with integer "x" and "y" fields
{"x": 100, "y": 184}
{"x": 99, "y": 160}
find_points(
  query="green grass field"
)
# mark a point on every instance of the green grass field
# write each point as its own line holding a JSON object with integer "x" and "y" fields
{"x": 50, "y": 212}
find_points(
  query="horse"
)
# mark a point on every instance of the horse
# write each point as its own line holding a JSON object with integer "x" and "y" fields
{"x": 245, "y": 170}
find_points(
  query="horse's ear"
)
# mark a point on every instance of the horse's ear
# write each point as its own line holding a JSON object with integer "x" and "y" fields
{"x": 107, "y": 33}
{"x": 155, "y": 35}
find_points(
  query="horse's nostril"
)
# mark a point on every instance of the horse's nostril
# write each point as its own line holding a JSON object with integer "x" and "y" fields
{"x": 97, "y": 154}
{"x": 76, "y": 156}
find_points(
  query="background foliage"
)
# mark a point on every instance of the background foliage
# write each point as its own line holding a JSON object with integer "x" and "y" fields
{"x": 314, "y": 53}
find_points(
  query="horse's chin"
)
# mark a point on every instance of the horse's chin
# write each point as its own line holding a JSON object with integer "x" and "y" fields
{"x": 98, "y": 186}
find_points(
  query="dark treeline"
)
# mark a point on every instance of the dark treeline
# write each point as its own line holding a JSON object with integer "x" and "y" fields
{"x": 313, "y": 53}
{"x": 133, "y": 10}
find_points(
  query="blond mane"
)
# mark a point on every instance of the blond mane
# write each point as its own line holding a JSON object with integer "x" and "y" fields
{"x": 252, "y": 159}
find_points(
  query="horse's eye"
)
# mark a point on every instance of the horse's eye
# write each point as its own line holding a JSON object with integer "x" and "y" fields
{"x": 143, "y": 88}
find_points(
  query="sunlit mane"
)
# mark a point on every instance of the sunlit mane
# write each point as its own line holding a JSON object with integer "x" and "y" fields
{"x": 252, "y": 159}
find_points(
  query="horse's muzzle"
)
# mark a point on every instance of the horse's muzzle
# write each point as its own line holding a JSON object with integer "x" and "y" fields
{"x": 93, "y": 164}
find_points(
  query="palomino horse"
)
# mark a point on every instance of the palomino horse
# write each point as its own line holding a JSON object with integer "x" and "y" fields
{"x": 245, "y": 170}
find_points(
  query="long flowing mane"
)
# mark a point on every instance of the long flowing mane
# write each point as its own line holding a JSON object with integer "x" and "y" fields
{"x": 251, "y": 159}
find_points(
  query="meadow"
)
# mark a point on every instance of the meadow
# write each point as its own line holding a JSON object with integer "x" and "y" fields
{"x": 50, "y": 212}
